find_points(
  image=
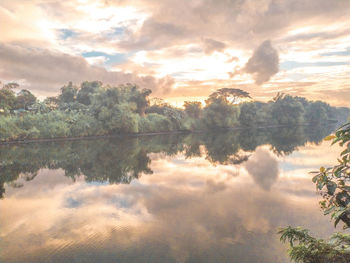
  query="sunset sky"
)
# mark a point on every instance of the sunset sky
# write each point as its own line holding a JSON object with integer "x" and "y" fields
{"x": 182, "y": 50}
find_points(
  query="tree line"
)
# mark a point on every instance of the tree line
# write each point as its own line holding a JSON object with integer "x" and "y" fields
{"x": 94, "y": 109}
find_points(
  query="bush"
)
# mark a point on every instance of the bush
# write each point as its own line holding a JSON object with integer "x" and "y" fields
{"x": 8, "y": 129}
{"x": 159, "y": 122}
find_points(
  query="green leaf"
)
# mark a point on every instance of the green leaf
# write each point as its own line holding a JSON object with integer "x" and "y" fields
{"x": 320, "y": 185}
{"x": 331, "y": 187}
{"x": 327, "y": 211}
{"x": 337, "y": 220}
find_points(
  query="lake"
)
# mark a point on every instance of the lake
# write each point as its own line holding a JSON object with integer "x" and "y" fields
{"x": 202, "y": 197}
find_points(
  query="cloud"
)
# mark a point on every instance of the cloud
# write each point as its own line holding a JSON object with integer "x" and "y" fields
{"x": 173, "y": 37}
{"x": 154, "y": 35}
{"x": 46, "y": 71}
{"x": 325, "y": 35}
{"x": 264, "y": 63}
{"x": 177, "y": 221}
{"x": 211, "y": 45}
{"x": 340, "y": 53}
{"x": 339, "y": 97}
{"x": 263, "y": 167}
{"x": 236, "y": 23}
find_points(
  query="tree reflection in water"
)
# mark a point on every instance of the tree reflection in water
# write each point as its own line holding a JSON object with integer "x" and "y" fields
{"x": 120, "y": 160}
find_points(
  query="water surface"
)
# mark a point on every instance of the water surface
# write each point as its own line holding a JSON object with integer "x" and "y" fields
{"x": 205, "y": 197}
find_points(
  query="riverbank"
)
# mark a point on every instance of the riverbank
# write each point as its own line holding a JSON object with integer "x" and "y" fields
{"x": 132, "y": 135}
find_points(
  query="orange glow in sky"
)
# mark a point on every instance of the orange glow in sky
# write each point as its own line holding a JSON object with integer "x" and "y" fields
{"x": 181, "y": 50}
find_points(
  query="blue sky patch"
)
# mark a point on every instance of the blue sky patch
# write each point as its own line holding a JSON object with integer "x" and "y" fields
{"x": 287, "y": 65}
{"x": 337, "y": 53}
{"x": 116, "y": 32}
{"x": 110, "y": 59}
{"x": 67, "y": 33}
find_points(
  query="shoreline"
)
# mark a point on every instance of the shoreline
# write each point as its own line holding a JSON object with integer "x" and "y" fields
{"x": 135, "y": 135}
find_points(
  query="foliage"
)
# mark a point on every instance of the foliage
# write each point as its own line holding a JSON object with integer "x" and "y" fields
{"x": 175, "y": 117}
{"x": 52, "y": 103}
{"x": 7, "y": 99}
{"x": 158, "y": 122}
{"x": 249, "y": 115}
{"x": 193, "y": 109}
{"x": 317, "y": 112}
{"x": 24, "y": 100}
{"x": 87, "y": 89}
{"x": 228, "y": 96}
{"x": 8, "y": 128}
{"x": 220, "y": 114}
{"x": 287, "y": 110}
{"x": 96, "y": 109}
{"x": 140, "y": 97}
{"x": 68, "y": 93}
{"x": 333, "y": 184}
{"x": 308, "y": 249}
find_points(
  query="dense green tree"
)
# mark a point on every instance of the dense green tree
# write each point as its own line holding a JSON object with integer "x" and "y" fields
{"x": 87, "y": 89}
{"x": 114, "y": 108}
{"x": 140, "y": 97}
{"x": 287, "y": 110}
{"x": 51, "y": 103}
{"x": 316, "y": 112}
{"x": 11, "y": 85}
{"x": 220, "y": 114}
{"x": 228, "y": 95}
{"x": 24, "y": 100}
{"x": 248, "y": 114}
{"x": 68, "y": 93}
{"x": 175, "y": 117}
{"x": 222, "y": 108}
{"x": 94, "y": 109}
{"x": 39, "y": 108}
{"x": 193, "y": 109}
{"x": 7, "y": 99}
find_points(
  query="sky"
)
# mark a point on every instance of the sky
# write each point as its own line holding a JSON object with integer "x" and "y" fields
{"x": 182, "y": 50}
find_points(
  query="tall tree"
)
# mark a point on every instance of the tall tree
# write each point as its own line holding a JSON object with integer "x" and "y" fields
{"x": 87, "y": 89}
{"x": 11, "y": 85}
{"x": 286, "y": 109}
{"x": 24, "y": 99}
{"x": 228, "y": 95}
{"x": 248, "y": 114}
{"x": 51, "y": 103}
{"x": 7, "y": 98}
{"x": 193, "y": 109}
{"x": 68, "y": 93}
{"x": 140, "y": 97}
{"x": 316, "y": 112}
